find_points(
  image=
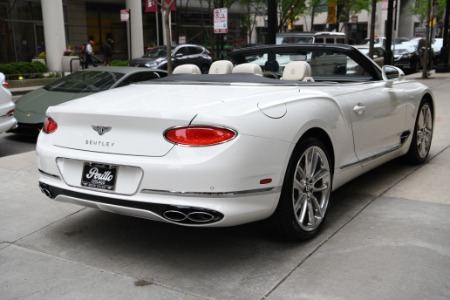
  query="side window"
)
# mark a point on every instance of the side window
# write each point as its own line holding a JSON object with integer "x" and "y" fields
{"x": 336, "y": 66}
{"x": 183, "y": 51}
{"x": 194, "y": 50}
{"x": 319, "y": 40}
{"x": 330, "y": 41}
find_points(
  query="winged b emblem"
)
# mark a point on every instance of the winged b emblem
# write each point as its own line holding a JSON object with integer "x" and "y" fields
{"x": 101, "y": 130}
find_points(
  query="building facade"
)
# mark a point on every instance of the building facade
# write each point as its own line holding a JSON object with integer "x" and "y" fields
{"x": 38, "y": 28}
{"x": 32, "y": 28}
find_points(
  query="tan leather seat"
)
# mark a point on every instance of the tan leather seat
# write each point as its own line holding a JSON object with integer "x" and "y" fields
{"x": 248, "y": 68}
{"x": 221, "y": 67}
{"x": 297, "y": 70}
{"x": 187, "y": 69}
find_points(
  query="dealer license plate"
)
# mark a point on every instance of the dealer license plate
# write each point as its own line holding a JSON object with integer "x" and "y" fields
{"x": 99, "y": 176}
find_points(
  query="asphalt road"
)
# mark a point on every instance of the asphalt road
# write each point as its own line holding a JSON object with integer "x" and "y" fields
{"x": 11, "y": 144}
{"x": 386, "y": 237}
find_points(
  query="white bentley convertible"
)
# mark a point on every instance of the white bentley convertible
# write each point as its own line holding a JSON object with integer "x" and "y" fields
{"x": 267, "y": 136}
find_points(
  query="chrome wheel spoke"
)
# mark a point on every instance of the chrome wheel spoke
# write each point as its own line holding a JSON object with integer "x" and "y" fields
{"x": 424, "y": 131}
{"x": 303, "y": 210}
{"x": 311, "y": 188}
{"x": 311, "y": 216}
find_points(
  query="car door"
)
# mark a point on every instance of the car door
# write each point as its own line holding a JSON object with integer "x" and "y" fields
{"x": 181, "y": 56}
{"x": 378, "y": 116}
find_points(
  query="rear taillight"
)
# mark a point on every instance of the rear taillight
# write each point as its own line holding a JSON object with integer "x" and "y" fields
{"x": 199, "y": 135}
{"x": 49, "y": 125}
{"x": 5, "y": 84}
{"x": 10, "y": 113}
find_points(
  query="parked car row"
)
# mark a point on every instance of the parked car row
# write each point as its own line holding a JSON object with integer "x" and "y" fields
{"x": 7, "y": 120}
{"x": 216, "y": 150}
{"x": 409, "y": 53}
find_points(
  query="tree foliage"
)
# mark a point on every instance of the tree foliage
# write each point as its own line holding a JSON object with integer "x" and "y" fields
{"x": 420, "y": 8}
{"x": 288, "y": 11}
{"x": 254, "y": 8}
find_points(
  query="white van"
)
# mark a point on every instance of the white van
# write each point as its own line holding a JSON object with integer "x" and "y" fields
{"x": 323, "y": 37}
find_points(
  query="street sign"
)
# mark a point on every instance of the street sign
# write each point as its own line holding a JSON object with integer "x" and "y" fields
{"x": 124, "y": 15}
{"x": 220, "y": 20}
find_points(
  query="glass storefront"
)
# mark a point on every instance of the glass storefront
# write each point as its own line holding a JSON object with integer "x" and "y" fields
{"x": 103, "y": 22}
{"x": 21, "y": 30}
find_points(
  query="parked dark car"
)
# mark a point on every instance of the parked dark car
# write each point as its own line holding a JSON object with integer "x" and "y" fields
{"x": 182, "y": 54}
{"x": 419, "y": 45}
{"x": 406, "y": 57}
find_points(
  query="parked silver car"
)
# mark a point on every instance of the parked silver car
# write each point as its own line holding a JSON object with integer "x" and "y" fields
{"x": 181, "y": 54}
{"x": 7, "y": 120}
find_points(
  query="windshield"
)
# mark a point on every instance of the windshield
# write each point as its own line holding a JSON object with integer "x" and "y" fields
{"x": 159, "y": 52}
{"x": 85, "y": 82}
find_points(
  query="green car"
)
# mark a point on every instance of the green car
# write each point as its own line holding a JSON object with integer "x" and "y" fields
{"x": 31, "y": 108}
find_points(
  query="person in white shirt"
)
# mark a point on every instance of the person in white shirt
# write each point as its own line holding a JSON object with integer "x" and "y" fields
{"x": 89, "y": 53}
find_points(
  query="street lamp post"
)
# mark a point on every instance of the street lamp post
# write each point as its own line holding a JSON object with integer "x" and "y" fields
{"x": 271, "y": 21}
{"x": 388, "y": 56}
{"x": 443, "y": 65}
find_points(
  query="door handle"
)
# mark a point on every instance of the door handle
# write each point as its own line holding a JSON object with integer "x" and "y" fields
{"x": 359, "y": 109}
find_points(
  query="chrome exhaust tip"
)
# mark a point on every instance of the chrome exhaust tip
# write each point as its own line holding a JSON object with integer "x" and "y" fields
{"x": 174, "y": 215}
{"x": 46, "y": 192}
{"x": 200, "y": 217}
{"x": 191, "y": 215}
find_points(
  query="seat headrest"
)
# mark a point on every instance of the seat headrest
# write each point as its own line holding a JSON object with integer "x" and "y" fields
{"x": 221, "y": 67}
{"x": 296, "y": 70}
{"x": 248, "y": 68}
{"x": 187, "y": 69}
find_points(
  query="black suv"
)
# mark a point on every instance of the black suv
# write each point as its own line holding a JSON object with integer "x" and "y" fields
{"x": 181, "y": 54}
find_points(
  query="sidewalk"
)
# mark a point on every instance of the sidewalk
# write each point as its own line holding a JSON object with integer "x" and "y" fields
{"x": 386, "y": 237}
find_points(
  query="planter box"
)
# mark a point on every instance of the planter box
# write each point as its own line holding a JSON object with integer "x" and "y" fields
{"x": 30, "y": 82}
{"x": 67, "y": 61}
{"x": 41, "y": 60}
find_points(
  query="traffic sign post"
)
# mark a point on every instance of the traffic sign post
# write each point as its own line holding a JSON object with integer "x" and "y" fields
{"x": 125, "y": 16}
{"x": 220, "y": 20}
{"x": 220, "y": 26}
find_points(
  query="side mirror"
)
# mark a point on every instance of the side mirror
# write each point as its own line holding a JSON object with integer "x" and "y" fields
{"x": 391, "y": 74}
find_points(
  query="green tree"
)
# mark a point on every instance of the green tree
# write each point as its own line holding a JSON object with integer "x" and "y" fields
{"x": 288, "y": 11}
{"x": 420, "y": 9}
{"x": 350, "y": 7}
{"x": 254, "y": 9}
{"x": 312, "y": 9}
{"x": 166, "y": 5}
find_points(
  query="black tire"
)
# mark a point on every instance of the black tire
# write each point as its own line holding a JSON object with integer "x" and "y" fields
{"x": 422, "y": 135}
{"x": 415, "y": 66}
{"x": 305, "y": 193}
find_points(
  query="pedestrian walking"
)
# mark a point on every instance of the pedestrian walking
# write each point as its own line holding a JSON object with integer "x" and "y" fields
{"x": 82, "y": 56}
{"x": 89, "y": 54}
{"x": 107, "y": 51}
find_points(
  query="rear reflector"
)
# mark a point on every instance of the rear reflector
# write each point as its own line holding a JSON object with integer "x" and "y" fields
{"x": 199, "y": 135}
{"x": 49, "y": 125}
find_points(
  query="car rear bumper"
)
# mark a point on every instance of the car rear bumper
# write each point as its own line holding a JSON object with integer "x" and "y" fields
{"x": 212, "y": 184}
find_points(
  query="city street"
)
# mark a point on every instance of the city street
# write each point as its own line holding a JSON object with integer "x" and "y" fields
{"x": 387, "y": 236}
